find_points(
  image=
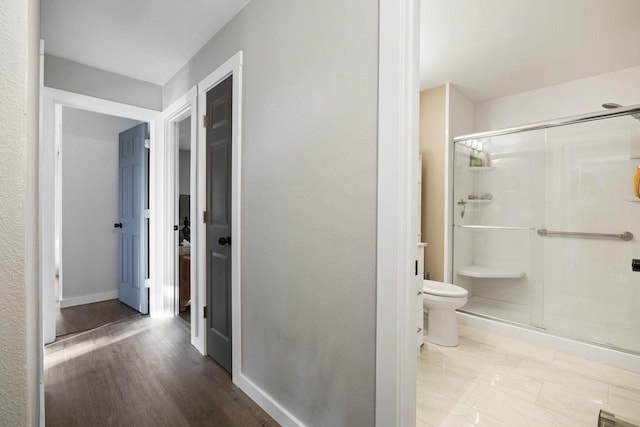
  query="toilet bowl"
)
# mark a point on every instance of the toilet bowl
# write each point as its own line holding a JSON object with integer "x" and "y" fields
{"x": 441, "y": 301}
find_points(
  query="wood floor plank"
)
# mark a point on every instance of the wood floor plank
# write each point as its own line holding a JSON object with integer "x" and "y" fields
{"x": 141, "y": 372}
{"x": 85, "y": 317}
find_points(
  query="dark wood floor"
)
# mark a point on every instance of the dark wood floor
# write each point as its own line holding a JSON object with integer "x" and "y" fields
{"x": 186, "y": 315}
{"x": 81, "y": 318}
{"x": 141, "y": 372}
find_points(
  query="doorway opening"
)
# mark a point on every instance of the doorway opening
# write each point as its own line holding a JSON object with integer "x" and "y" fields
{"x": 183, "y": 221}
{"x": 100, "y": 197}
{"x": 509, "y": 143}
{"x": 181, "y": 237}
{"x": 80, "y": 209}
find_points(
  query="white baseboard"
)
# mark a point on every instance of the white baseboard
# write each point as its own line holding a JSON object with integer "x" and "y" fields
{"x": 267, "y": 403}
{"x": 88, "y": 299}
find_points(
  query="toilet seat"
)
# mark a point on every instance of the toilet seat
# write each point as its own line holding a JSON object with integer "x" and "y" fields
{"x": 440, "y": 289}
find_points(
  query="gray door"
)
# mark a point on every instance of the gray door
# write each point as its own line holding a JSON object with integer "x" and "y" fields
{"x": 218, "y": 223}
{"x": 132, "y": 256}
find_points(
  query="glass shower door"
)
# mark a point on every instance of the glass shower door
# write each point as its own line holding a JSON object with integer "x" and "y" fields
{"x": 590, "y": 291}
{"x": 498, "y": 198}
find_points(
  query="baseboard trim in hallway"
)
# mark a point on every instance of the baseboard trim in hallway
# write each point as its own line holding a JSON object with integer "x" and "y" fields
{"x": 88, "y": 299}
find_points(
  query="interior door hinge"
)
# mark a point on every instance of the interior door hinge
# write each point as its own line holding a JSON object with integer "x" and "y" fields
{"x": 147, "y": 143}
{"x": 147, "y": 213}
{"x": 147, "y": 283}
{"x": 205, "y": 216}
{"x": 204, "y": 121}
{"x": 205, "y": 312}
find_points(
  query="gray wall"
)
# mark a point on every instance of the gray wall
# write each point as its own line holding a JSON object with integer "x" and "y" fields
{"x": 308, "y": 200}
{"x": 90, "y": 204}
{"x": 184, "y": 172}
{"x": 19, "y": 337}
{"x": 71, "y": 76}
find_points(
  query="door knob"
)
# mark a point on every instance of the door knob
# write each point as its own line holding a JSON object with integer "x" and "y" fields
{"x": 224, "y": 241}
{"x": 117, "y": 225}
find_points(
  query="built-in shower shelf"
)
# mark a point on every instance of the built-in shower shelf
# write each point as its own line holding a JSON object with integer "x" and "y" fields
{"x": 481, "y": 168}
{"x": 479, "y": 201}
{"x": 632, "y": 200}
{"x": 482, "y": 272}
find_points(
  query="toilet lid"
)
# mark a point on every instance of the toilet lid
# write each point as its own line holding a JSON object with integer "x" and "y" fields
{"x": 440, "y": 289}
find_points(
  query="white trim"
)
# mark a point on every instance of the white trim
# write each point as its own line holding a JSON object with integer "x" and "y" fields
{"x": 183, "y": 107}
{"x": 48, "y": 222}
{"x": 88, "y": 299}
{"x": 267, "y": 403}
{"x": 42, "y": 248}
{"x": 398, "y": 116}
{"x": 99, "y": 105}
{"x": 448, "y": 189}
{"x": 54, "y": 100}
{"x": 232, "y": 66}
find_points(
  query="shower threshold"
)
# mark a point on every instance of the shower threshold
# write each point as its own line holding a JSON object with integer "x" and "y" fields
{"x": 600, "y": 353}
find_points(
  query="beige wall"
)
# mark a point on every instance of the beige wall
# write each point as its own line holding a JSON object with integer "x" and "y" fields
{"x": 432, "y": 148}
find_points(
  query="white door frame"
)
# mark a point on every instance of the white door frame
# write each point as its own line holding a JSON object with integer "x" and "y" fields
{"x": 54, "y": 100}
{"x": 398, "y": 115}
{"x": 182, "y": 108}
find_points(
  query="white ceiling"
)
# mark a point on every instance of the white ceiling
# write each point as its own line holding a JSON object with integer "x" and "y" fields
{"x": 492, "y": 48}
{"x": 145, "y": 39}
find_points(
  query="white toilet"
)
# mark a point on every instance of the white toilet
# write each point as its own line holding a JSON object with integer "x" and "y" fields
{"x": 442, "y": 300}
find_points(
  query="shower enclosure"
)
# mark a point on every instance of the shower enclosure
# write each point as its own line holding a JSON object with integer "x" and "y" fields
{"x": 546, "y": 225}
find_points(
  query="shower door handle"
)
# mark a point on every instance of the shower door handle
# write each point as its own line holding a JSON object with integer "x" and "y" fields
{"x": 462, "y": 203}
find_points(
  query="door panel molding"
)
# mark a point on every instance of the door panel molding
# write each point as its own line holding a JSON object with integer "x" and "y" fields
{"x": 220, "y": 219}
{"x": 133, "y": 167}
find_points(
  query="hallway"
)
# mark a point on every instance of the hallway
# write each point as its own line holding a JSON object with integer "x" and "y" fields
{"x": 141, "y": 372}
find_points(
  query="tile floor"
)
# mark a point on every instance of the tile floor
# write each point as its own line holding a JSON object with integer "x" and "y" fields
{"x": 490, "y": 380}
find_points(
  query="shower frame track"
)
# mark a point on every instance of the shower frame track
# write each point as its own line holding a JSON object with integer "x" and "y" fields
{"x": 582, "y": 118}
